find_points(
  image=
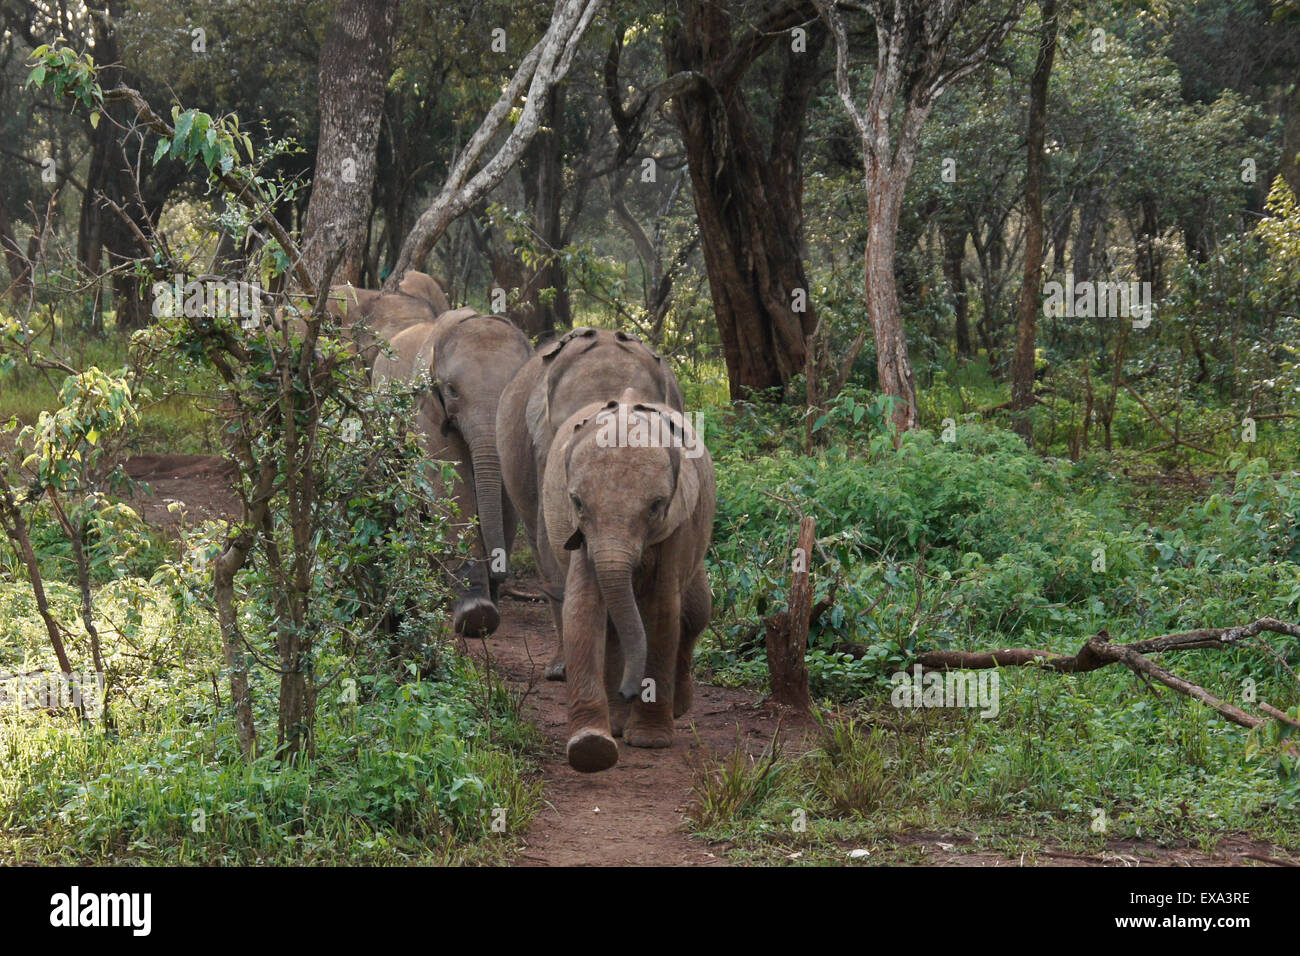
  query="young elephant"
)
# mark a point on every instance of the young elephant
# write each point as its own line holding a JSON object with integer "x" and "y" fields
{"x": 629, "y": 496}
{"x": 586, "y": 365}
{"x": 466, "y": 359}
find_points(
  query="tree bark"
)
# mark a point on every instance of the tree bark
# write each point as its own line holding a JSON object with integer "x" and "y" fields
{"x": 354, "y": 66}
{"x": 787, "y": 631}
{"x": 1022, "y": 365}
{"x": 954, "y": 261}
{"x": 1291, "y": 138}
{"x": 748, "y": 190}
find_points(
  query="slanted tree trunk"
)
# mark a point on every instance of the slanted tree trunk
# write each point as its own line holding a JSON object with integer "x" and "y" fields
{"x": 354, "y": 66}
{"x": 545, "y": 65}
{"x": 1022, "y": 365}
{"x": 748, "y": 188}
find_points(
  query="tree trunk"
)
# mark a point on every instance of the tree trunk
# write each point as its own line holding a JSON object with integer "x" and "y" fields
{"x": 19, "y": 266}
{"x": 748, "y": 192}
{"x": 1022, "y": 366}
{"x": 954, "y": 260}
{"x": 542, "y": 170}
{"x": 1291, "y": 138}
{"x": 354, "y": 66}
{"x": 893, "y": 364}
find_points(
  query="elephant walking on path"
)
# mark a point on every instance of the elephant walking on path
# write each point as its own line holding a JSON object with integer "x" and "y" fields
{"x": 462, "y": 361}
{"x": 629, "y": 497}
{"x": 586, "y": 365}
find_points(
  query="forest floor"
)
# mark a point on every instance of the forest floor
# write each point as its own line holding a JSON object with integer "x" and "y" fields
{"x": 635, "y": 813}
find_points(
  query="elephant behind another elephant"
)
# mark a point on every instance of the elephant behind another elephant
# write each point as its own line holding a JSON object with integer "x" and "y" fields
{"x": 464, "y": 361}
{"x": 584, "y": 366}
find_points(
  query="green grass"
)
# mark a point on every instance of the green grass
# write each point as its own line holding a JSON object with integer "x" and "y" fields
{"x": 405, "y": 770}
{"x": 177, "y": 420}
{"x": 1066, "y": 755}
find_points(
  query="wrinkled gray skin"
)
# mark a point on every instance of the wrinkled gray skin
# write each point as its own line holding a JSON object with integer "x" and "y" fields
{"x": 628, "y": 526}
{"x": 466, "y": 359}
{"x": 584, "y": 366}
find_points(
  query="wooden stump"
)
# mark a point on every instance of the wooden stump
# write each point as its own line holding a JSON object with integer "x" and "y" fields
{"x": 787, "y": 631}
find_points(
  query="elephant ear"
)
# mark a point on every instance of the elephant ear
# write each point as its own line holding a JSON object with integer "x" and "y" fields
{"x": 422, "y": 355}
{"x": 558, "y": 514}
{"x": 686, "y": 477}
{"x": 419, "y": 285}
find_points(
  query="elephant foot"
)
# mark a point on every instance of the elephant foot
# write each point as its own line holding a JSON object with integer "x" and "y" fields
{"x": 475, "y": 617}
{"x": 657, "y": 738}
{"x": 591, "y": 751}
{"x": 555, "y": 669}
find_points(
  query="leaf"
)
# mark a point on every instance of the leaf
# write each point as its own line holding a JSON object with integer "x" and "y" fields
{"x": 184, "y": 123}
{"x": 94, "y": 120}
{"x": 37, "y": 76}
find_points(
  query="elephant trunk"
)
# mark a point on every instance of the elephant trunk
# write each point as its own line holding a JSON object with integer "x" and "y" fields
{"x": 487, "y": 494}
{"x": 614, "y": 576}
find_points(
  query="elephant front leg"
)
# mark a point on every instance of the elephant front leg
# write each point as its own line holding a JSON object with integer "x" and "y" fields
{"x": 650, "y": 722}
{"x": 591, "y": 745}
{"x": 475, "y": 612}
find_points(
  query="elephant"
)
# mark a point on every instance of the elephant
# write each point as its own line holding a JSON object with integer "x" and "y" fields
{"x": 584, "y": 366}
{"x": 465, "y": 360}
{"x": 629, "y": 497}
{"x": 370, "y": 317}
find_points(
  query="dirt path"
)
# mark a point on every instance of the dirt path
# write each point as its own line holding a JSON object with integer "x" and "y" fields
{"x": 632, "y": 814}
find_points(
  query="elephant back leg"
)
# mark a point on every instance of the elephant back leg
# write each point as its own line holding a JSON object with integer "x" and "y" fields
{"x": 553, "y": 577}
{"x": 697, "y": 610}
{"x": 618, "y": 707}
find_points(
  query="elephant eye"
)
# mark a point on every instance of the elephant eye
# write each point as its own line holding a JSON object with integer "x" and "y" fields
{"x": 577, "y": 502}
{"x": 657, "y": 506}
{"x": 450, "y": 391}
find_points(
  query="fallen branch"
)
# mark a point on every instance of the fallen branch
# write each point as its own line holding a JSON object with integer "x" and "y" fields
{"x": 1100, "y": 652}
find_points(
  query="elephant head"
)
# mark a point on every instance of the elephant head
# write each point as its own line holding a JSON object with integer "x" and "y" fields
{"x": 418, "y": 285}
{"x": 587, "y": 365}
{"x": 622, "y": 478}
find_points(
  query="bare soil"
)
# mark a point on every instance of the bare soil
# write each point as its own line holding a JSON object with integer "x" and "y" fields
{"x": 201, "y": 487}
{"x": 634, "y": 813}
